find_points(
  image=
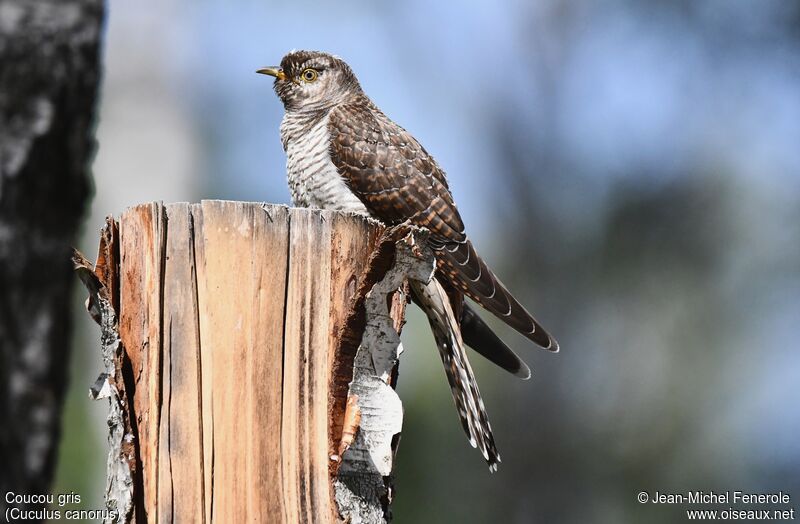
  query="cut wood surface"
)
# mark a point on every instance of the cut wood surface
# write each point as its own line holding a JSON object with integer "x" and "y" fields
{"x": 239, "y": 326}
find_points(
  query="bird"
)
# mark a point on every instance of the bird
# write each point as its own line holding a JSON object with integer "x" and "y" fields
{"x": 344, "y": 154}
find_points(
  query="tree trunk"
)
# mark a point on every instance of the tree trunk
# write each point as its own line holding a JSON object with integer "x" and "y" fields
{"x": 49, "y": 74}
{"x": 251, "y": 370}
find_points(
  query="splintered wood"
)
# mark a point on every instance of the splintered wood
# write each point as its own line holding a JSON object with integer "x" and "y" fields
{"x": 239, "y": 325}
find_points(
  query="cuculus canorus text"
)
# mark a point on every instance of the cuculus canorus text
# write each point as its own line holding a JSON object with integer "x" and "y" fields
{"x": 344, "y": 154}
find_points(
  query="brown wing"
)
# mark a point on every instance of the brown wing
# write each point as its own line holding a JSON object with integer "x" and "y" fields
{"x": 397, "y": 180}
{"x": 391, "y": 173}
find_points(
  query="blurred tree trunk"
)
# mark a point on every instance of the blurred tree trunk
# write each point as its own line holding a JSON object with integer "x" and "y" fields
{"x": 49, "y": 75}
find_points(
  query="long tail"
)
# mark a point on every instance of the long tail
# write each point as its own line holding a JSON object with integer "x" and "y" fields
{"x": 461, "y": 266}
{"x": 480, "y": 337}
{"x": 434, "y": 301}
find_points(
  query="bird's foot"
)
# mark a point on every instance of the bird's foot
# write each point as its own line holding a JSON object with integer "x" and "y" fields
{"x": 408, "y": 232}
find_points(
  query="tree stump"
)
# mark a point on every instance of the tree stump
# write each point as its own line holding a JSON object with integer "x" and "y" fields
{"x": 250, "y": 356}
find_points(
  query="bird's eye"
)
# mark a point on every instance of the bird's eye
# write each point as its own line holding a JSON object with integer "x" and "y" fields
{"x": 309, "y": 75}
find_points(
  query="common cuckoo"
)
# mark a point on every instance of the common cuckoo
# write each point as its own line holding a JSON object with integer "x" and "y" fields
{"x": 344, "y": 154}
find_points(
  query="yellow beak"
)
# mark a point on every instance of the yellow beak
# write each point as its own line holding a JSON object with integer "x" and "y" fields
{"x": 277, "y": 72}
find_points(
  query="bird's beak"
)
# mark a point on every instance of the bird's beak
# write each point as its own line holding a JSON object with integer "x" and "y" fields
{"x": 277, "y": 72}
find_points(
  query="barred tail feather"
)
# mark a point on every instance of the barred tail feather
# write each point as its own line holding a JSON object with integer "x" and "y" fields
{"x": 464, "y": 269}
{"x": 480, "y": 337}
{"x": 434, "y": 301}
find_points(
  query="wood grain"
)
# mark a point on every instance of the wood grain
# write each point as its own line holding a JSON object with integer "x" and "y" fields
{"x": 142, "y": 246}
{"x": 270, "y": 256}
{"x": 353, "y": 241}
{"x": 232, "y": 318}
{"x": 180, "y": 444}
{"x": 305, "y": 395}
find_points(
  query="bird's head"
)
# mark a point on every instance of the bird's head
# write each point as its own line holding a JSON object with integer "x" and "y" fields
{"x": 312, "y": 80}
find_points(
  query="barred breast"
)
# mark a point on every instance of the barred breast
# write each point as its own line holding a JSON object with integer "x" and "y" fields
{"x": 313, "y": 179}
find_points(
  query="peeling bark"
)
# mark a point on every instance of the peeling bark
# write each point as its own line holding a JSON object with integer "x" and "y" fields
{"x": 101, "y": 284}
{"x": 363, "y": 482}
